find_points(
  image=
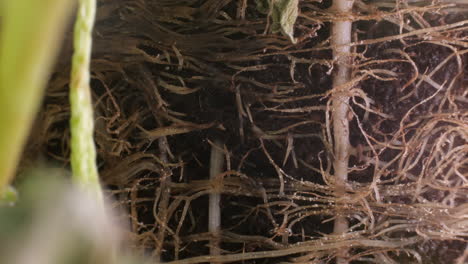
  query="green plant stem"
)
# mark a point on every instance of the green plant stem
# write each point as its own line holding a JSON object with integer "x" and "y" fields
{"x": 29, "y": 41}
{"x": 83, "y": 150}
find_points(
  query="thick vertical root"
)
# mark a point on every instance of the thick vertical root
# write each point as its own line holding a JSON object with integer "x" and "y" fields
{"x": 341, "y": 36}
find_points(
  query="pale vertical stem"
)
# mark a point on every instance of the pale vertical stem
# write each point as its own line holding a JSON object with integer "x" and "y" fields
{"x": 83, "y": 150}
{"x": 341, "y": 36}
{"x": 214, "y": 213}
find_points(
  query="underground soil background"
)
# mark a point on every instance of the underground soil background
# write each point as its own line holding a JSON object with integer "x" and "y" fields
{"x": 176, "y": 82}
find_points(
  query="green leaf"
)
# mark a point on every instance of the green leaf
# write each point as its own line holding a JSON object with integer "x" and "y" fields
{"x": 283, "y": 14}
{"x": 30, "y": 36}
{"x": 288, "y": 16}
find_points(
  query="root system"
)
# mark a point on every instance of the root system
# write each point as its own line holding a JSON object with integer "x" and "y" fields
{"x": 176, "y": 80}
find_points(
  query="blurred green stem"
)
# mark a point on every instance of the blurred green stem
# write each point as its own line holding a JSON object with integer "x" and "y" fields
{"x": 83, "y": 151}
{"x": 30, "y": 35}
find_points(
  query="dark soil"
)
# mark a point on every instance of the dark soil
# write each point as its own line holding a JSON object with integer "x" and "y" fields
{"x": 148, "y": 55}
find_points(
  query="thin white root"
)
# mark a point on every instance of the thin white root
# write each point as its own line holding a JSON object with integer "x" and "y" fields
{"x": 214, "y": 214}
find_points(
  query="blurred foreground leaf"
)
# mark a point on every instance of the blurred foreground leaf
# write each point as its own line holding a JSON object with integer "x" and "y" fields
{"x": 30, "y": 34}
{"x": 55, "y": 223}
